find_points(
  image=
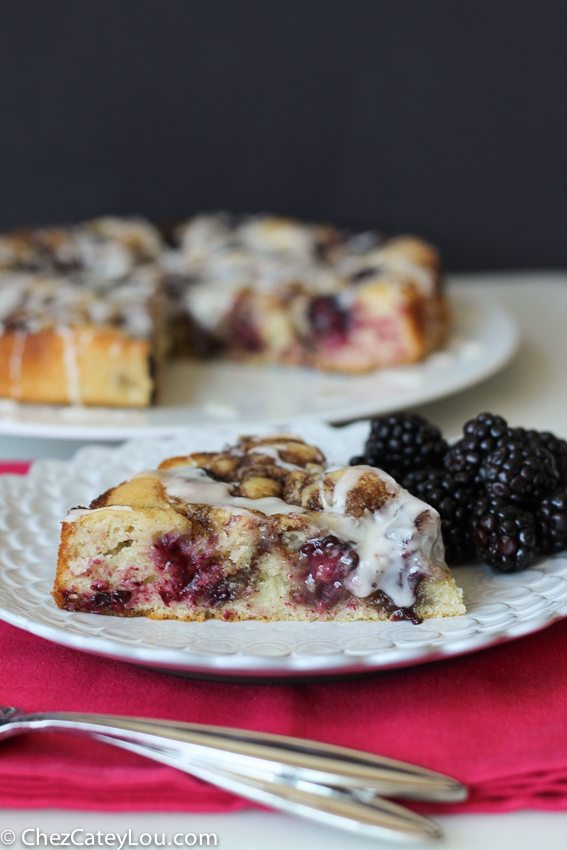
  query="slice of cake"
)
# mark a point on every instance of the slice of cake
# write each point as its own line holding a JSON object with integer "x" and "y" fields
{"x": 263, "y": 530}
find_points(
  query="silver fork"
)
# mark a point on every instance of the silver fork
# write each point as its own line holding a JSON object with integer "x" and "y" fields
{"x": 336, "y": 786}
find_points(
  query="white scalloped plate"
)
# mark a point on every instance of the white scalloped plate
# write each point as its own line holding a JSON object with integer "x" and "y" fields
{"x": 483, "y": 339}
{"x": 499, "y": 607}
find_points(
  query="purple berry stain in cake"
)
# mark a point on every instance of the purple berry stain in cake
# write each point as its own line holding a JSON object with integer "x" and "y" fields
{"x": 116, "y": 600}
{"x": 405, "y": 614}
{"x": 324, "y": 564}
{"x": 329, "y": 321}
{"x": 101, "y": 601}
{"x": 189, "y": 574}
{"x": 244, "y": 335}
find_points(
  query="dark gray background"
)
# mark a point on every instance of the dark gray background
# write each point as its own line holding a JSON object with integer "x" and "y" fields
{"x": 444, "y": 117}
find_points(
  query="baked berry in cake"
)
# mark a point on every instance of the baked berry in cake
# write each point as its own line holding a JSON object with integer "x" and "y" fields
{"x": 264, "y": 530}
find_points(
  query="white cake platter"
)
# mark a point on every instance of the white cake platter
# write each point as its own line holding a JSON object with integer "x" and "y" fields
{"x": 483, "y": 338}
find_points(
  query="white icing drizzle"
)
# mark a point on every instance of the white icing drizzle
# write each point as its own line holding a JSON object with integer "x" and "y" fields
{"x": 390, "y": 264}
{"x": 347, "y": 482}
{"x": 86, "y": 336}
{"x": 40, "y": 301}
{"x": 15, "y": 364}
{"x": 394, "y": 554}
{"x": 273, "y": 235}
{"x": 71, "y": 364}
{"x": 77, "y": 513}
{"x": 323, "y": 496}
{"x": 192, "y": 485}
{"x": 265, "y": 255}
{"x": 273, "y": 451}
{"x": 210, "y": 302}
{"x": 12, "y": 290}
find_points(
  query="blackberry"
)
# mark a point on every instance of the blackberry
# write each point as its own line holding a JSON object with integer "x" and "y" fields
{"x": 480, "y": 436}
{"x": 401, "y": 443}
{"x": 519, "y": 472}
{"x": 555, "y": 446}
{"x": 503, "y": 536}
{"x": 451, "y": 498}
{"x": 551, "y": 520}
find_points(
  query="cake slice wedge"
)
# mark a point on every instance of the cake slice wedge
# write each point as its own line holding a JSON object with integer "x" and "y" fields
{"x": 264, "y": 530}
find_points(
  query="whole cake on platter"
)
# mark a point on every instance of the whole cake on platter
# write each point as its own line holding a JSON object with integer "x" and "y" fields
{"x": 263, "y": 530}
{"x": 89, "y": 312}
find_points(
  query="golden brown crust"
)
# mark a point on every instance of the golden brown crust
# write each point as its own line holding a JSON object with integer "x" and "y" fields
{"x": 311, "y": 488}
{"x": 87, "y": 364}
{"x": 416, "y": 250}
{"x": 370, "y": 493}
{"x": 64, "y": 558}
{"x": 259, "y": 487}
{"x": 142, "y": 492}
{"x": 292, "y": 450}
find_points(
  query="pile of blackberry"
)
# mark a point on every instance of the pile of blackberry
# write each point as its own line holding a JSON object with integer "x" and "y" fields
{"x": 501, "y": 492}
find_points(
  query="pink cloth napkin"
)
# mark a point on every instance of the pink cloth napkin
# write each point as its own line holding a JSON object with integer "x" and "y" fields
{"x": 495, "y": 719}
